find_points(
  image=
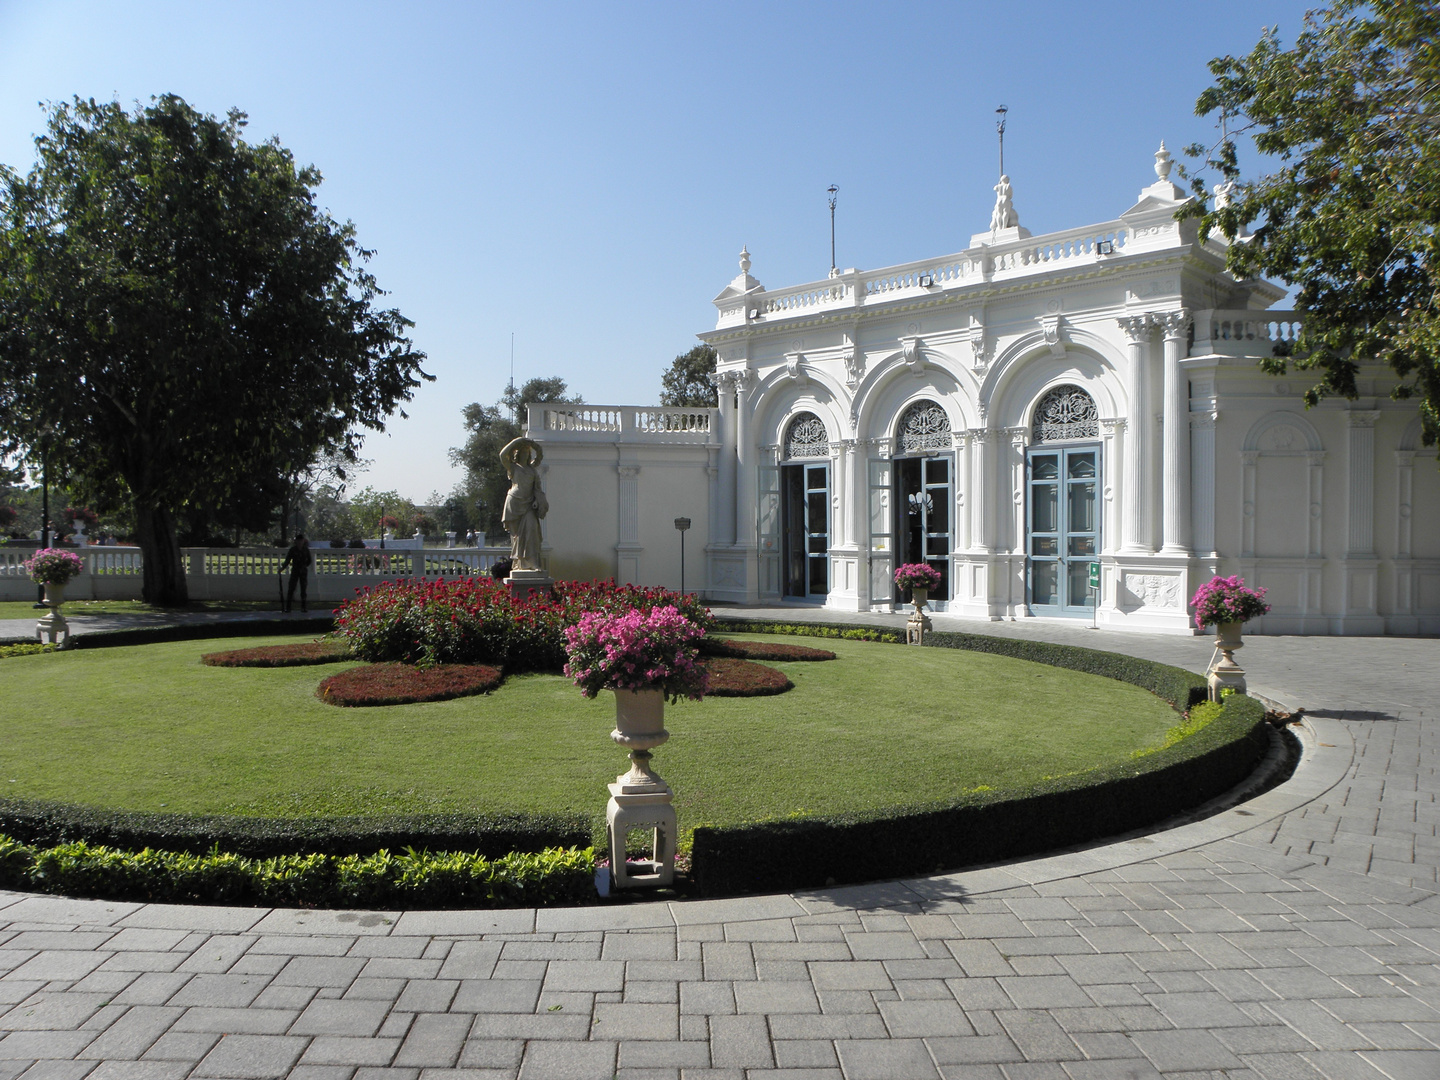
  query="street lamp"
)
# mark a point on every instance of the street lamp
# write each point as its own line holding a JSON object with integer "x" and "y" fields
{"x": 45, "y": 433}
{"x": 682, "y": 524}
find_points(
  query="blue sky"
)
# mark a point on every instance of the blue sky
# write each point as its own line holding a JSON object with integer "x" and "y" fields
{"x": 584, "y": 175}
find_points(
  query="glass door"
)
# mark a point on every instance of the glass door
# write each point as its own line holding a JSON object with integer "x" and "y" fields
{"x": 806, "y": 529}
{"x": 923, "y": 501}
{"x": 1063, "y": 534}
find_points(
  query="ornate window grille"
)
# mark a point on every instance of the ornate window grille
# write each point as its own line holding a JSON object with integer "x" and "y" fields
{"x": 924, "y": 426}
{"x": 806, "y": 438}
{"x": 1067, "y": 412}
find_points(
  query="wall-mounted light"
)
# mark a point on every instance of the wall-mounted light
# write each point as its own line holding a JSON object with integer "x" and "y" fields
{"x": 1105, "y": 247}
{"x": 927, "y": 281}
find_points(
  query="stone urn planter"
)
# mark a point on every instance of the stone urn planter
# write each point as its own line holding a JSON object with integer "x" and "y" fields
{"x": 1226, "y": 674}
{"x": 1227, "y": 636}
{"x": 640, "y": 800}
{"x": 921, "y": 596}
{"x": 52, "y": 627}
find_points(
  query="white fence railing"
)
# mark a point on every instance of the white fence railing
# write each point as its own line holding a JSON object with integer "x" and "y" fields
{"x": 623, "y": 423}
{"x": 1244, "y": 333}
{"x": 115, "y": 573}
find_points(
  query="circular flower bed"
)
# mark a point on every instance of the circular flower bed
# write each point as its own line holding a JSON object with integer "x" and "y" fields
{"x": 731, "y": 677}
{"x": 307, "y": 652}
{"x": 774, "y": 651}
{"x": 403, "y": 684}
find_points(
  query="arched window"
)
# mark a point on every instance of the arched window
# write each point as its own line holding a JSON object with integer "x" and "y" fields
{"x": 924, "y": 426}
{"x": 806, "y": 438}
{"x": 1065, "y": 413}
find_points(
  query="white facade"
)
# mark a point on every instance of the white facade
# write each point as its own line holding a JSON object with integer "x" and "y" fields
{"x": 1010, "y": 414}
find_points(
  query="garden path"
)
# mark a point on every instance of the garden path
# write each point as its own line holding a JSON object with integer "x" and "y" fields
{"x": 1294, "y": 935}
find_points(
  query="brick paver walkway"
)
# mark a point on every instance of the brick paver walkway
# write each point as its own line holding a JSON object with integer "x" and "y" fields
{"x": 1296, "y": 935}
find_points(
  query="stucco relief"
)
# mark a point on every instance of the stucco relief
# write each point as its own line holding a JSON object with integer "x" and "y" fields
{"x": 1282, "y": 439}
{"x": 1153, "y": 590}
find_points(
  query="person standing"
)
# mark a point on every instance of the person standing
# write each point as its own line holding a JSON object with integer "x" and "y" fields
{"x": 298, "y": 560}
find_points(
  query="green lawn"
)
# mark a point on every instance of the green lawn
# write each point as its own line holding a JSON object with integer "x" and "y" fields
{"x": 25, "y": 609}
{"x": 152, "y": 728}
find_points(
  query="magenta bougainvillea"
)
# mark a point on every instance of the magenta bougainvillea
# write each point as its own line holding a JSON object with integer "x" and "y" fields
{"x": 53, "y": 566}
{"x": 635, "y": 650}
{"x": 1222, "y": 600}
{"x": 917, "y": 575}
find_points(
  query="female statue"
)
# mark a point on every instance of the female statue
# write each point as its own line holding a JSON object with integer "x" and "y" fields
{"x": 525, "y": 503}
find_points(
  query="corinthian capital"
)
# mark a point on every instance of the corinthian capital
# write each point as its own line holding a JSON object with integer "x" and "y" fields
{"x": 744, "y": 379}
{"x": 1174, "y": 323}
{"x": 1136, "y": 327}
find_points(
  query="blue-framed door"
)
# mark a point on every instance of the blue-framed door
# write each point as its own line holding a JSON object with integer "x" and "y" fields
{"x": 1063, "y": 528}
{"x": 805, "y": 513}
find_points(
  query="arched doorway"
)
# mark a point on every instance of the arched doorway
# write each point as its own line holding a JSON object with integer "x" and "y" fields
{"x": 1063, "y": 523}
{"x": 924, "y": 491}
{"x": 805, "y": 508}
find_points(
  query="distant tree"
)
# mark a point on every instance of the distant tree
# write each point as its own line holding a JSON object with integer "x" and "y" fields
{"x": 180, "y": 320}
{"x": 368, "y": 507}
{"x": 490, "y": 427}
{"x": 686, "y": 383}
{"x": 1352, "y": 112}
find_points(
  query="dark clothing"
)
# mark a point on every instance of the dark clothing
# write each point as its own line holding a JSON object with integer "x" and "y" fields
{"x": 298, "y": 559}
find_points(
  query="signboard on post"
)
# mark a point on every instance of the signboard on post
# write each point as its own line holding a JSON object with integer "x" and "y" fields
{"x": 1094, "y": 589}
{"x": 1095, "y": 576}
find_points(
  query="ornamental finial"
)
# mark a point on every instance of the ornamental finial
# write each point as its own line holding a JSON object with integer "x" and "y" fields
{"x": 744, "y": 260}
{"x": 1163, "y": 162}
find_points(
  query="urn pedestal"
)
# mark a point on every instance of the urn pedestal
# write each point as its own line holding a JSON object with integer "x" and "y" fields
{"x": 919, "y": 622}
{"x": 1225, "y": 673}
{"x": 52, "y": 627}
{"x": 639, "y": 799}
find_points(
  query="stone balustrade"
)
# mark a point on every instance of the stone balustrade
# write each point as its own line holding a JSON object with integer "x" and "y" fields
{"x": 1244, "y": 333}
{"x": 623, "y": 423}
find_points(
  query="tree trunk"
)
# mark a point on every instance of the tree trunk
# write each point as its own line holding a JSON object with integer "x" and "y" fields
{"x": 164, "y": 580}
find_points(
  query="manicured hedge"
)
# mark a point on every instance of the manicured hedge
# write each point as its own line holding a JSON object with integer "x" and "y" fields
{"x": 981, "y": 827}
{"x": 298, "y": 655}
{"x": 198, "y": 631}
{"x": 403, "y": 684}
{"x": 846, "y": 631}
{"x": 492, "y": 835}
{"x": 730, "y": 677}
{"x": 774, "y": 651}
{"x": 382, "y": 880}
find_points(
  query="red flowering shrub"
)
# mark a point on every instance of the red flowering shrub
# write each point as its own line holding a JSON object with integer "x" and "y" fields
{"x": 775, "y": 651}
{"x": 307, "y": 652}
{"x": 730, "y": 677}
{"x": 477, "y": 620}
{"x": 401, "y": 684}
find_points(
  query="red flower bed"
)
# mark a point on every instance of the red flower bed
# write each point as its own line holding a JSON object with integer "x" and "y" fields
{"x": 402, "y": 684}
{"x": 308, "y": 652}
{"x": 774, "y": 651}
{"x": 731, "y": 677}
{"x": 476, "y": 620}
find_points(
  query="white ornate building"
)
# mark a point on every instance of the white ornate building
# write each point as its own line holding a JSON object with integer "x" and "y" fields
{"x": 1011, "y": 414}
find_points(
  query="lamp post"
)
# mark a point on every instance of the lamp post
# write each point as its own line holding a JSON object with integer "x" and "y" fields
{"x": 832, "y": 189}
{"x": 1000, "y": 130}
{"x": 681, "y": 524}
{"x": 45, "y": 434}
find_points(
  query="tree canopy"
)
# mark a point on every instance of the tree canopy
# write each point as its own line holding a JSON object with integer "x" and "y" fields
{"x": 1352, "y": 113}
{"x": 490, "y": 427}
{"x": 686, "y": 383}
{"x": 180, "y": 324}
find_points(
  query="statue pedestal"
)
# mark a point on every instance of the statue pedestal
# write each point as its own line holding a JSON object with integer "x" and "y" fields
{"x": 523, "y": 583}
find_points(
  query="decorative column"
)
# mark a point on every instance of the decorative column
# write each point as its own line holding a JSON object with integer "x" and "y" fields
{"x": 982, "y": 499}
{"x": 1134, "y": 506}
{"x": 1176, "y": 490}
{"x": 1362, "y": 481}
{"x": 854, "y": 501}
{"x": 744, "y": 460}
{"x": 1018, "y": 437}
{"x": 1112, "y": 491}
{"x": 1404, "y": 604}
{"x": 1202, "y": 480}
{"x": 628, "y": 549}
{"x": 724, "y": 530}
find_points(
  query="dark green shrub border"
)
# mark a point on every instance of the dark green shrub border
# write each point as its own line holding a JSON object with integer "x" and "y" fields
{"x": 491, "y": 835}
{"x": 381, "y": 880}
{"x": 983, "y": 827}
{"x": 197, "y": 631}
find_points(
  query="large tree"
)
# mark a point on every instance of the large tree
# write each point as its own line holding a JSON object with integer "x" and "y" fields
{"x": 686, "y": 382}
{"x": 490, "y": 427}
{"x": 179, "y": 322}
{"x": 1351, "y": 113}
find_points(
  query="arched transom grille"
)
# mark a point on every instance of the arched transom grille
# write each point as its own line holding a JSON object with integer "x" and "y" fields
{"x": 1066, "y": 412}
{"x": 924, "y": 426}
{"x": 806, "y": 437}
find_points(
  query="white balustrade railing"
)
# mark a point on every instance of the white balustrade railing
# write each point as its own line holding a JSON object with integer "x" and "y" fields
{"x": 1040, "y": 252}
{"x": 622, "y": 423}
{"x": 802, "y": 297}
{"x": 1244, "y": 333}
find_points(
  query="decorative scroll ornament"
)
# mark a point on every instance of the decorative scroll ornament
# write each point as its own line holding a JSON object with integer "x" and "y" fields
{"x": 924, "y": 426}
{"x": 806, "y": 438}
{"x": 1067, "y": 412}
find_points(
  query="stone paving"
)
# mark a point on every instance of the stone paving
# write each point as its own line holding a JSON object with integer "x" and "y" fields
{"x": 1295, "y": 935}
